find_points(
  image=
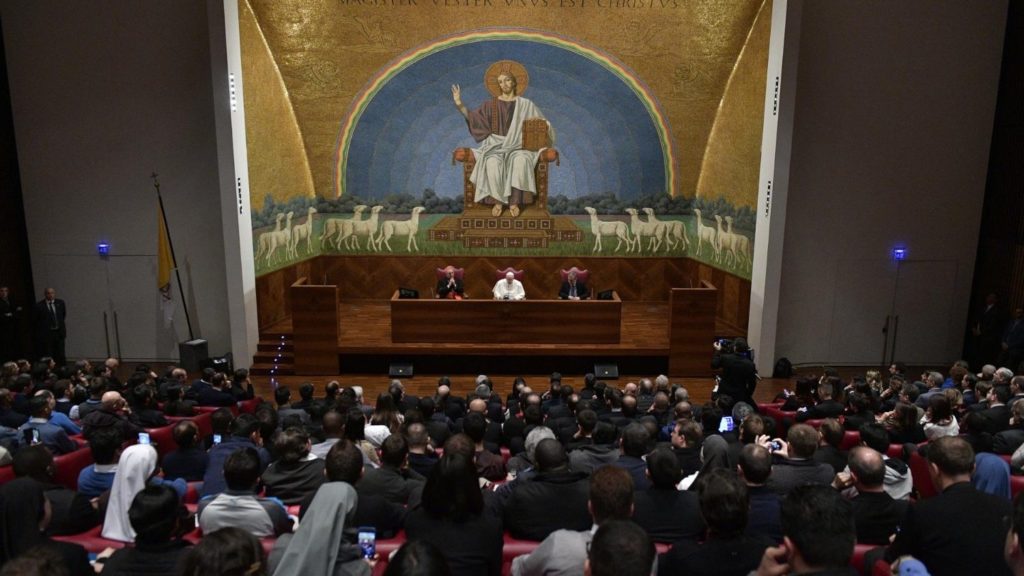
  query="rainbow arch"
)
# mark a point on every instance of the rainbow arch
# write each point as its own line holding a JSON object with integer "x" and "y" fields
{"x": 403, "y": 61}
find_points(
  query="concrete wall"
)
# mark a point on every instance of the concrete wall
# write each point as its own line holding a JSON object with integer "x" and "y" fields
{"x": 893, "y": 118}
{"x": 104, "y": 93}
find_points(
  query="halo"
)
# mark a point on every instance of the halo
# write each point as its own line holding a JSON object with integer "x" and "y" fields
{"x": 503, "y": 67}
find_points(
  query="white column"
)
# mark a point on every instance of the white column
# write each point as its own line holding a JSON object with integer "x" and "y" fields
{"x": 776, "y": 145}
{"x": 232, "y": 159}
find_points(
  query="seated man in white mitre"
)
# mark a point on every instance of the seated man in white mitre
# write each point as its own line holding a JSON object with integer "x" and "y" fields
{"x": 509, "y": 288}
{"x": 504, "y": 172}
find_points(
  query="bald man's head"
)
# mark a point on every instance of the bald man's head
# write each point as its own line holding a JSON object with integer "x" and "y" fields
{"x": 111, "y": 401}
{"x": 478, "y": 405}
{"x": 867, "y": 467}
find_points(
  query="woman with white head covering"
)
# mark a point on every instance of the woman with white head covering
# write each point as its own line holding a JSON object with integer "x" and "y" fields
{"x": 319, "y": 546}
{"x": 136, "y": 466}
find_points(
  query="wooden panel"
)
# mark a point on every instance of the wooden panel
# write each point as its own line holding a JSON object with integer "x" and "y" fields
{"x": 520, "y": 322}
{"x": 315, "y": 328}
{"x": 691, "y": 331}
{"x": 377, "y": 277}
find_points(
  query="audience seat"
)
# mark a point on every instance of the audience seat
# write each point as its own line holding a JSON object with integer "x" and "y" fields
{"x": 192, "y": 493}
{"x": 163, "y": 439}
{"x": 505, "y": 454}
{"x": 68, "y": 466}
{"x": 895, "y": 451}
{"x": 91, "y": 540}
{"x": 249, "y": 406}
{"x": 6, "y": 474}
{"x": 1016, "y": 485}
{"x": 922, "y": 480}
{"x": 514, "y": 547}
{"x": 850, "y": 439}
{"x": 500, "y": 274}
{"x": 203, "y": 420}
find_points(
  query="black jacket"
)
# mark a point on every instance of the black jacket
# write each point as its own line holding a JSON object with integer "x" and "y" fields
{"x": 549, "y": 502}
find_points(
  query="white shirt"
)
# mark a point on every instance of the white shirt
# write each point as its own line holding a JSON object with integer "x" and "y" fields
{"x": 505, "y": 291}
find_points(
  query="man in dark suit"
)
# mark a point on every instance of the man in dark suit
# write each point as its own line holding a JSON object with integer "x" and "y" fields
{"x": 8, "y": 325}
{"x": 961, "y": 530}
{"x": 987, "y": 330}
{"x": 50, "y": 329}
{"x": 1013, "y": 341}
{"x": 556, "y": 498}
{"x": 449, "y": 287}
{"x": 573, "y": 289}
{"x": 826, "y": 406}
{"x": 876, "y": 515}
{"x": 997, "y": 415}
{"x": 739, "y": 375}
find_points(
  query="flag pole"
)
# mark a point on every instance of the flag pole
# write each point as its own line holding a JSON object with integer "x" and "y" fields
{"x": 170, "y": 243}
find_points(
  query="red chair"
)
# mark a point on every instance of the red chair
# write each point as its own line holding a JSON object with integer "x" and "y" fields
{"x": 92, "y": 540}
{"x": 192, "y": 493}
{"x": 1016, "y": 485}
{"x": 850, "y": 439}
{"x": 922, "y": 478}
{"x": 203, "y": 420}
{"x": 895, "y": 451}
{"x": 163, "y": 439}
{"x": 857, "y": 560}
{"x": 505, "y": 454}
{"x": 500, "y": 274}
{"x": 249, "y": 406}
{"x": 6, "y": 474}
{"x": 384, "y": 550}
{"x": 512, "y": 548}
{"x": 68, "y": 466}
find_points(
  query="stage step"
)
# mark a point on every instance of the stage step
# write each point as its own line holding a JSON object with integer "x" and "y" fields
{"x": 269, "y": 357}
{"x": 267, "y": 345}
{"x": 269, "y": 369}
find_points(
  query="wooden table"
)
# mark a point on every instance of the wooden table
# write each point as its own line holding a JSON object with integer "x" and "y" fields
{"x": 504, "y": 321}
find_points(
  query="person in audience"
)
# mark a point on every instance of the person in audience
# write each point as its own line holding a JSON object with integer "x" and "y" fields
{"x": 439, "y": 426}
{"x": 59, "y": 418}
{"x": 318, "y": 546}
{"x": 24, "y": 517}
{"x": 239, "y": 505}
{"x": 220, "y": 425}
{"x": 135, "y": 470}
{"x": 565, "y": 551}
{"x": 333, "y": 424}
{"x": 1007, "y": 441}
{"x": 903, "y": 424}
{"x": 8, "y": 416}
{"x": 226, "y": 552}
{"x": 344, "y": 463}
{"x": 939, "y": 420}
{"x": 202, "y": 383}
{"x": 898, "y": 481}
{"x": 555, "y": 498}
{"x": 826, "y": 407}
{"x": 306, "y": 391}
{"x": 296, "y": 472}
{"x": 144, "y": 407}
{"x": 421, "y": 457}
{"x": 795, "y": 465}
{"x": 217, "y": 393}
{"x": 1013, "y": 550}
{"x": 240, "y": 386}
{"x": 620, "y": 548}
{"x": 509, "y": 288}
{"x": 666, "y": 513}
{"x": 282, "y": 397}
{"x": 819, "y": 535}
{"x": 245, "y": 433}
{"x": 453, "y": 518}
{"x": 997, "y": 415}
{"x": 524, "y": 465}
{"x": 176, "y": 404}
{"x": 488, "y": 465}
{"x": 634, "y": 444}
{"x": 755, "y": 468}
{"x": 70, "y": 511}
{"x": 828, "y": 451}
{"x": 113, "y": 413}
{"x": 876, "y": 514}
{"x": 393, "y": 481}
{"x": 583, "y": 435}
{"x": 355, "y": 432}
{"x": 386, "y": 414}
{"x": 931, "y": 385}
{"x": 727, "y": 549}
{"x": 50, "y": 435}
{"x": 97, "y": 478}
{"x": 959, "y": 531}
{"x": 686, "y": 438}
{"x": 157, "y": 518}
{"x": 714, "y": 455}
{"x": 189, "y": 461}
{"x": 418, "y": 558}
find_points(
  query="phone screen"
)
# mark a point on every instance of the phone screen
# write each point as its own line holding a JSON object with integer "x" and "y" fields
{"x": 368, "y": 541}
{"x": 216, "y": 438}
{"x": 726, "y": 425}
{"x": 143, "y": 438}
{"x": 31, "y": 436}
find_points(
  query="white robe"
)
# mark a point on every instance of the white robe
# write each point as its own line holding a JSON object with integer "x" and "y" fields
{"x": 513, "y": 292}
{"x": 501, "y": 164}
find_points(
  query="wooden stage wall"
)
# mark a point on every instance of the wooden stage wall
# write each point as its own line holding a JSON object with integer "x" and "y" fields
{"x": 376, "y": 277}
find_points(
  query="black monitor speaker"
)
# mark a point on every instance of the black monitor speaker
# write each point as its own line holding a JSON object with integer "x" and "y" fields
{"x": 400, "y": 370}
{"x": 606, "y": 371}
{"x": 408, "y": 293}
{"x": 606, "y": 295}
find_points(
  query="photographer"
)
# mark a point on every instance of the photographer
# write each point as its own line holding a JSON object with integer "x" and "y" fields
{"x": 739, "y": 375}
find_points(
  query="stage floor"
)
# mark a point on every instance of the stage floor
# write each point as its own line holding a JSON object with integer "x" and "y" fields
{"x": 365, "y": 346}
